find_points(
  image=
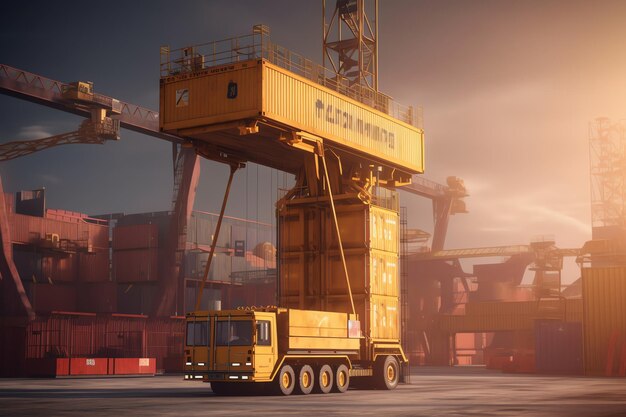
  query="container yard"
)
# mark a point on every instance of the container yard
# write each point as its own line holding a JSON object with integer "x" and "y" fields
{"x": 268, "y": 229}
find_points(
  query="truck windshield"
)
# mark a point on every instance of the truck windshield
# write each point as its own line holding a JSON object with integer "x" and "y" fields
{"x": 233, "y": 333}
{"x": 198, "y": 333}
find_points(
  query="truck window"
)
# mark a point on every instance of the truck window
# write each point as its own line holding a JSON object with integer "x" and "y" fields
{"x": 263, "y": 335}
{"x": 198, "y": 333}
{"x": 233, "y": 333}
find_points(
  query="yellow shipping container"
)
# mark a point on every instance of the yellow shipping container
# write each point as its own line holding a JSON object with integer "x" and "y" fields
{"x": 198, "y": 104}
{"x": 306, "y": 228}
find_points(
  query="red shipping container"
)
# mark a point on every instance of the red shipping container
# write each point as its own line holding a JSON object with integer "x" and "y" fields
{"x": 139, "y": 236}
{"x": 94, "y": 267}
{"x": 137, "y": 265}
{"x": 98, "y": 236}
{"x": 89, "y": 366}
{"x": 97, "y": 297}
{"x": 65, "y": 215}
{"x": 60, "y": 268}
{"x": 134, "y": 366}
{"x": 26, "y": 229}
{"x": 58, "y": 297}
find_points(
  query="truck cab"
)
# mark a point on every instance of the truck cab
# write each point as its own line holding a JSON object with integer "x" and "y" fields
{"x": 230, "y": 346}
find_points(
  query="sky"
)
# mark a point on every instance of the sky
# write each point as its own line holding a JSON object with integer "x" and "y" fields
{"x": 507, "y": 88}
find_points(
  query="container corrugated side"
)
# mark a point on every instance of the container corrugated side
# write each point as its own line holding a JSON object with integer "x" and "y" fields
{"x": 505, "y": 316}
{"x": 136, "y": 297}
{"x": 26, "y": 229}
{"x": 304, "y": 105}
{"x": 558, "y": 347}
{"x": 604, "y": 292}
{"x": 135, "y": 265}
{"x": 47, "y": 297}
{"x": 384, "y": 317}
{"x": 364, "y": 226}
{"x": 59, "y": 269}
{"x": 370, "y": 271}
{"x": 138, "y": 236}
{"x": 94, "y": 267}
{"x": 97, "y": 297}
{"x": 300, "y": 229}
{"x": 196, "y": 109}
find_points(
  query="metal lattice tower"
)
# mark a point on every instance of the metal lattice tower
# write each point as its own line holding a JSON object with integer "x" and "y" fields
{"x": 350, "y": 40}
{"x": 607, "y": 150}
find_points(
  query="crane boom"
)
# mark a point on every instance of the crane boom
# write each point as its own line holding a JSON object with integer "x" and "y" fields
{"x": 38, "y": 89}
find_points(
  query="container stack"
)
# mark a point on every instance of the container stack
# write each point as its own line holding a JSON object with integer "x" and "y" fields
{"x": 136, "y": 266}
{"x": 311, "y": 273}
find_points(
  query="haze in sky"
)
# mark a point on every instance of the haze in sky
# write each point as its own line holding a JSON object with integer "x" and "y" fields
{"x": 508, "y": 89}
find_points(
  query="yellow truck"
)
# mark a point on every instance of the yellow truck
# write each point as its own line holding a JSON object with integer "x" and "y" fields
{"x": 284, "y": 351}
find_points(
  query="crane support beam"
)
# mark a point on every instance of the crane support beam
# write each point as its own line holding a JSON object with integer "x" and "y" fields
{"x": 10, "y": 282}
{"x": 170, "y": 290}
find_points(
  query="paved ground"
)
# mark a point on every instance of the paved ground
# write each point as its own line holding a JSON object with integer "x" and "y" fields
{"x": 432, "y": 392}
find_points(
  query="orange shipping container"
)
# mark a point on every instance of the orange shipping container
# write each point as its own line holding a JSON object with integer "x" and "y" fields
{"x": 604, "y": 318}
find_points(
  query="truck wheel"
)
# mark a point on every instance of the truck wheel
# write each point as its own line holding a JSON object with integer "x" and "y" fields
{"x": 286, "y": 380}
{"x": 306, "y": 379}
{"x": 387, "y": 373}
{"x": 342, "y": 379}
{"x": 325, "y": 379}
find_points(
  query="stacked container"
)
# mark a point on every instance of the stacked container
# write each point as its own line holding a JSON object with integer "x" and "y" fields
{"x": 135, "y": 253}
{"x": 311, "y": 272}
{"x": 59, "y": 256}
{"x": 604, "y": 320}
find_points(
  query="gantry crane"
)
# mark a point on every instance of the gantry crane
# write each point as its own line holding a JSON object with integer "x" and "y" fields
{"x": 106, "y": 115}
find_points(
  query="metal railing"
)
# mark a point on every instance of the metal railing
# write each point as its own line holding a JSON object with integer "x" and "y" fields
{"x": 258, "y": 46}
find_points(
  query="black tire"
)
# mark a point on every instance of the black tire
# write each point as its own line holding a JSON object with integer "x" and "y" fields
{"x": 342, "y": 379}
{"x": 324, "y": 379}
{"x": 306, "y": 380}
{"x": 387, "y": 373}
{"x": 286, "y": 380}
